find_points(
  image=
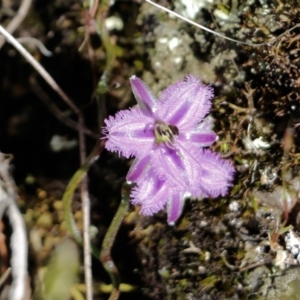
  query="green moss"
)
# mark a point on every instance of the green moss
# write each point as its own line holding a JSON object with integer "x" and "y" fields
{"x": 209, "y": 282}
{"x": 184, "y": 224}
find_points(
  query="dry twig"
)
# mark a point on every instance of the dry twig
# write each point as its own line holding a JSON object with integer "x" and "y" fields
{"x": 17, "y": 20}
{"x": 18, "y": 240}
{"x": 82, "y": 150}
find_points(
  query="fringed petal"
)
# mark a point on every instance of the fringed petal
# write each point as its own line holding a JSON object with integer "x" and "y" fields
{"x": 138, "y": 169}
{"x": 152, "y": 194}
{"x": 175, "y": 207}
{"x": 185, "y": 103}
{"x": 129, "y": 133}
{"x": 146, "y": 100}
{"x": 202, "y": 135}
{"x": 203, "y": 139}
{"x": 216, "y": 174}
{"x": 179, "y": 165}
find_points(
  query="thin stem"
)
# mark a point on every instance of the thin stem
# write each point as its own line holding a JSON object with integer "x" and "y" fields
{"x": 80, "y": 177}
{"x": 85, "y": 200}
{"x": 18, "y": 239}
{"x": 75, "y": 181}
{"x": 53, "y": 108}
{"x": 18, "y": 19}
{"x": 5, "y": 276}
{"x": 100, "y": 100}
{"x": 105, "y": 256}
{"x": 102, "y": 86}
{"x": 201, "y": 26}
{"x": 40, "y": 69}
{"x": 272, "y": 41}
{"x": 70, "y": 103}
{"x": 37, "y": 43}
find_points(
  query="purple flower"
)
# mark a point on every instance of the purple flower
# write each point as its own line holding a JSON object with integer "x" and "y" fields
{"x": 153, "y": 194}
{"x": 166, "y": 136}
{"x": 165, "y": 132}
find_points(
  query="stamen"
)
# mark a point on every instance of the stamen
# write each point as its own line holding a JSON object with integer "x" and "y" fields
{"x": 164, "y": 133}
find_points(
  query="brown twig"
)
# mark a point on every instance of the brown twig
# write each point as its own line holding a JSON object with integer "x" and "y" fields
{"x": 40, "y": 93}
{"x": 17, "y": 20}
{"x": 36, "y": 43}
{"x": 18, "y": 239}
{"x": 82, "y": 150}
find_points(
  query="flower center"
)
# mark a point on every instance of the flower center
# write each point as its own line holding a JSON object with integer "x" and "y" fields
{"x": 164, "y": 133}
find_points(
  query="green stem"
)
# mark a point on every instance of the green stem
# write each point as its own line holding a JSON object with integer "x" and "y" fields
{"x": 105, "y": 255}
{"x": 71, "y": 188}
{"x": 102, "y": 86}
{"x": 109, "y": 47}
